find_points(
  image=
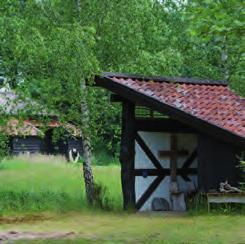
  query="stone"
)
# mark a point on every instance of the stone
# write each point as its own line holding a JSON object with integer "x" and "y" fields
{"x": 160, "y": 204}
{"x": 178, "y": 201}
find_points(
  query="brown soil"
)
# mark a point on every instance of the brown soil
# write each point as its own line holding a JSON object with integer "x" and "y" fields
{"x": 14, "y": 235}
{"x": 23, "y": 219}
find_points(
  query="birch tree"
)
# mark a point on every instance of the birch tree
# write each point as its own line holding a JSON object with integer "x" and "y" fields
{"x": 50, "y": 61}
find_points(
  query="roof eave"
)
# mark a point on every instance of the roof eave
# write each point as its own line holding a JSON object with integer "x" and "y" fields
{"x": 188, "y": 119}
{"x": 165, "y": 79}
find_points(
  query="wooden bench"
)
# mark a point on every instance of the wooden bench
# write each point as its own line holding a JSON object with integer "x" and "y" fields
{"x": 225, "y": 198}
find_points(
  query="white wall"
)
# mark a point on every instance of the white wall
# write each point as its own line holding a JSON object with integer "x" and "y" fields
{"x": 158, "y": 141}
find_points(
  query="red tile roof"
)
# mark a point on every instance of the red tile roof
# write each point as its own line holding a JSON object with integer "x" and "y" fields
{"x": 213, "y": 103}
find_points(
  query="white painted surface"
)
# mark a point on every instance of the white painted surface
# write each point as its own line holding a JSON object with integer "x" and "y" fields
{"x": 158, "y": 141}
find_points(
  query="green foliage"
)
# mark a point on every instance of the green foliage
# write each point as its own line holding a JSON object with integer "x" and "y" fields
{"x": 220, "y": 23}
{"x": 243, "y": 174}
{"x": 4, "y": 146}
{"x": 50, "y": 48}
{"x": 197, "y": 205}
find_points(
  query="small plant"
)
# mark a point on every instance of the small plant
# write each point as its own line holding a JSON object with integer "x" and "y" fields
{"x": 100, "y": 198}
{"x": 4, "y": 146}
{"x": 242, "y": 183}
{"x": 197, "y": 203}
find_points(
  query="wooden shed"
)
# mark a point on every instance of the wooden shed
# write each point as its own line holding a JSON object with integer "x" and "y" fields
{"x": 27, "y": 135}
{"x": 179, "y": 136}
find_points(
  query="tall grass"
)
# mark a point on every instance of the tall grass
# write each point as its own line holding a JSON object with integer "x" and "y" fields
{"x": 51, "y": 184}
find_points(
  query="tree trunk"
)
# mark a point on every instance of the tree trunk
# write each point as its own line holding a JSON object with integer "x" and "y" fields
{"x": 87, "y": 154}
{"x": 224, "y": 60}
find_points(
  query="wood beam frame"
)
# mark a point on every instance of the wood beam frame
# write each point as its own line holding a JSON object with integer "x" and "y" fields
{"x": 163, "y": 172}
{"x": 147, "y": 151}
{"x": 149, "y": 191}
{"x": 159, "y": 171}
{"x": 162, "y": 125}
{"x": 114, "y": 98}
{"x": 127, "y": 154}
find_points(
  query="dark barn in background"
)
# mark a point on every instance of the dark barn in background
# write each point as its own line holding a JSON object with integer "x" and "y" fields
{"x": 179, "y": 137}
{"x": 29, "y": 137}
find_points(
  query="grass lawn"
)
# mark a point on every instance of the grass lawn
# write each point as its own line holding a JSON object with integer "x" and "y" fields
{"x": 47, "y": 196}
{"x": 42, "y": 184}
{"x": 135, "y": 228}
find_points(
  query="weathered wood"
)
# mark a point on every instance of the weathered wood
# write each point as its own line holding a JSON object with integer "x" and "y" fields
{"x": 157, "y": 172}
{"x": 217, "y": 163}
{"x": 29, "y": 144}
{"x": 116, "y": 98}
{"x": 225, "y": 198}
{"x": 186, "y": 166}
{"x": 173, "y": 158}
{"x": 162, "y": 125}
{"x": 169, "y": 153}
{"x": 127, "y": 154}
{"x": 151, "y": 172}
{"x": 190, "y": 160}
{"x": 161, "y": 172}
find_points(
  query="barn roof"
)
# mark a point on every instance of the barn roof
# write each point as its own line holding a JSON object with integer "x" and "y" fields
{"x": 11, "y": 104}
{"x": 209, "y": 106}
{"x": 28, "y": 127}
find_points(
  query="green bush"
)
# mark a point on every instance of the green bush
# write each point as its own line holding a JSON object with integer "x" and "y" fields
{"x": 4, "y": 146}
{"x": 243, "y": 175}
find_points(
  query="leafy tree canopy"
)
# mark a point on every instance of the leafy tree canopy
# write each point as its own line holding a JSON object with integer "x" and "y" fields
{"x": 50, "y": 48}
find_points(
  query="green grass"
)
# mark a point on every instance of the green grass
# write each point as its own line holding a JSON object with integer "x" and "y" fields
{"x": 137, "y": 228}
{"x": 56, "y": 186}
{"x": 47, "y": 195}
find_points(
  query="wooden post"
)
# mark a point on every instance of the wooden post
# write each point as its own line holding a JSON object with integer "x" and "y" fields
{"x": 127, "y": 154}
{"x": 173, "y": 157}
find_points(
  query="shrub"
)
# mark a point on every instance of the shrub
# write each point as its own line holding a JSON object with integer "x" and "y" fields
{"x": 4, "y": 146}
{"x": 243, "y": 175}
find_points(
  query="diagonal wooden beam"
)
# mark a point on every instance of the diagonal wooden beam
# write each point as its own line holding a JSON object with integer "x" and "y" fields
{"x": 149, "y": 191}
{"x": 189, "y": 160}
{"x": 185, "y": 169}
{"x": 185, "y": 177}
{"x": 148, "y": 152}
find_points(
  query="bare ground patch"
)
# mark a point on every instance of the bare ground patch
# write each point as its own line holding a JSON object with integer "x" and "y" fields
{"x": 15, "y": 235}
{"x": 23, "y": 219}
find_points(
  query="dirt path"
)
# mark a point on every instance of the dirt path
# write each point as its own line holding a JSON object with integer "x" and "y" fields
{"x": 14, "y": 235}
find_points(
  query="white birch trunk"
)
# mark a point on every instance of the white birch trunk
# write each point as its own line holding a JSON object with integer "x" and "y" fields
{"x": 87, "y": 152}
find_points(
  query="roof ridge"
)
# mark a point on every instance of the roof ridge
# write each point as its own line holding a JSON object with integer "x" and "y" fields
{"x": 165, "y": 79}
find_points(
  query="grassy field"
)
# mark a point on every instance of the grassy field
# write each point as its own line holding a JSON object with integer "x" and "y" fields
{"x": 136, "y": 228}
{"x": 46, "y": 195}
{"x": 50, "y": 184}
